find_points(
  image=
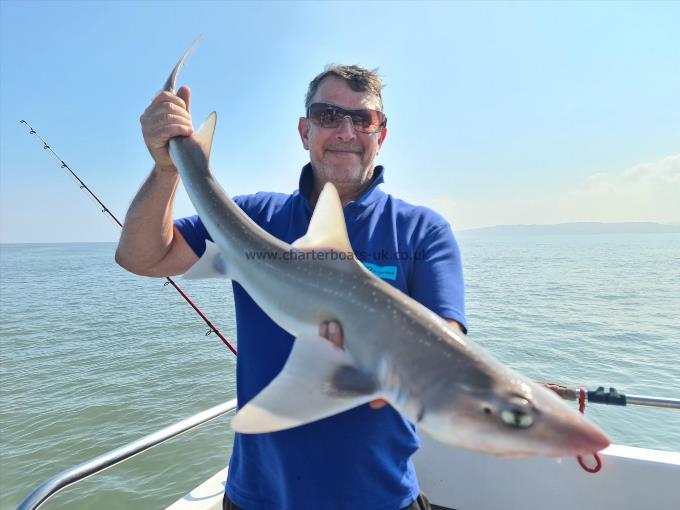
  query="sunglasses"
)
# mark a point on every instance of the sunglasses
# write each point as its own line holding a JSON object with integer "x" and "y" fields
{"x": 330, "y": 116}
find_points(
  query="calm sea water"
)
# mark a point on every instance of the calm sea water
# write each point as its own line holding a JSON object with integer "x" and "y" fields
{"x": 94, "y": 357}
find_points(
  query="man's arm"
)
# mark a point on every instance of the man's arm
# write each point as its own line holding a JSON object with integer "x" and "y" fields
{"x": 454, "y": 324}
{"x": 149, "y": 244}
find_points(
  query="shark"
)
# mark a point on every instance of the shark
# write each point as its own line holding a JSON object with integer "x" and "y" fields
{"x": 395, "y": 349}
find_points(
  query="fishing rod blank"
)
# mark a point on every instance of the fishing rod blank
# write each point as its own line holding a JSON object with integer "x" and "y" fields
{"x": 106, "y": 211}
{"x": 641, "y": 400}
{"x": 614, "y": 397}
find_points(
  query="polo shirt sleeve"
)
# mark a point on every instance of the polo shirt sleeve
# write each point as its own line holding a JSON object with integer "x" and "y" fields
{"x": 195, "y": 233}
{"x": 437, "y": 279}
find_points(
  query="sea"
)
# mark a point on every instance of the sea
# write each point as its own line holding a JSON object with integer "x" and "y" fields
{"x": 94, "y": 357}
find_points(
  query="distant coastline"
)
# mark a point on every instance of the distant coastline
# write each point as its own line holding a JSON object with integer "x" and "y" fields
{"x": 578, "y": 228}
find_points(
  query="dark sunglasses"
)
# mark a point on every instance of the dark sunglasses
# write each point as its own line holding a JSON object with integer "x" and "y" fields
{"x": 330, "y": 116}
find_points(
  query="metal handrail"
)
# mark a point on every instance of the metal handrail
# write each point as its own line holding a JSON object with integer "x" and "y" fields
{"x": 88, "y": 468}
{"x": 643, "y": 400}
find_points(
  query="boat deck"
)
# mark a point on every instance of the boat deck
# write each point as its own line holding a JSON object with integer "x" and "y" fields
{"x": 630, "y": 478}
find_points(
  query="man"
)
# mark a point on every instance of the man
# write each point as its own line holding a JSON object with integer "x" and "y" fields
{"x": 359, "y": 459}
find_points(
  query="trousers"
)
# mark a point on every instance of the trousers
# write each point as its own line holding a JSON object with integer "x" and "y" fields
{"x": 421, "y": 503}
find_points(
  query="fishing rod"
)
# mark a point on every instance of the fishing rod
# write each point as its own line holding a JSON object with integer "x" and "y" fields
{"x": 613, "y": 397}
{"x": 599, "y": 396}
{"x": 105, "y": 210}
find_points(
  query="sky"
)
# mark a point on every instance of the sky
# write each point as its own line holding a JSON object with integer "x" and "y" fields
{"x": 499, "y": 113}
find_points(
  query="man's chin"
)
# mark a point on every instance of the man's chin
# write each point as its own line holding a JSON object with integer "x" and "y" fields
{"x": 343, "y": 175}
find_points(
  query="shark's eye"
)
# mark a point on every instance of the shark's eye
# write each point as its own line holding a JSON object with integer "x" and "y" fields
{"x": 516, "y": 414}
{"x": 517, "y": 418}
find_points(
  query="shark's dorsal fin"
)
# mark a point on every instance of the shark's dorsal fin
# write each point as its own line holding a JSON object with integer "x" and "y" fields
{"x": 327, "y": 229}
{"x": 204, "y": 135}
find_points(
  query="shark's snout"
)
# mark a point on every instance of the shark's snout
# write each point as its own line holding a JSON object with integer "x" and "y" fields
{"x": 585, "y": 439}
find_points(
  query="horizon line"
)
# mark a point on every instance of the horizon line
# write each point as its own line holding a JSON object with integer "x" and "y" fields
{"x": 471, "y": 229}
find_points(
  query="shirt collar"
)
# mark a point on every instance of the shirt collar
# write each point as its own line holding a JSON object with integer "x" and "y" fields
{"x": 372, "y": 193}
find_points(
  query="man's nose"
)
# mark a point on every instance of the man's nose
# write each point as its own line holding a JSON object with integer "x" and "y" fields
{"x": 345, "y": 131}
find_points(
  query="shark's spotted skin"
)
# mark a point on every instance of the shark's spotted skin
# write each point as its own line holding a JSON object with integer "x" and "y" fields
{"x": 395, "y": 348}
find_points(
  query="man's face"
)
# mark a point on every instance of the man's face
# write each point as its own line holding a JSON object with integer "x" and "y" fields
{"x": 342, "y": 155}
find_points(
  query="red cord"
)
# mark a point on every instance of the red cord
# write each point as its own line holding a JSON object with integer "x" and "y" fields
{"x": 598, "y": 459}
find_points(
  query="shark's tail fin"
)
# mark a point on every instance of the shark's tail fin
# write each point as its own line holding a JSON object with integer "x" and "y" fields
{"x": 171, "y": 82}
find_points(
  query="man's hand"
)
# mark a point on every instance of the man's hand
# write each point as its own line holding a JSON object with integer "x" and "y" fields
{"x": 332, "y": 331}
{"x": 166, "y": 117}
{"x": 149, "y": 244}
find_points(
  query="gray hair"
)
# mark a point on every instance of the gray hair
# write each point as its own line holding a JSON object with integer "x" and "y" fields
{"x": 358, "y": 78}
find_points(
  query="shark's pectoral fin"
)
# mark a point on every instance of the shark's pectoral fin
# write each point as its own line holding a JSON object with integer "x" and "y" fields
{"x": 210, "y": 265}
{"x": 317, "y": 381}
{"x": 348, "y": 380}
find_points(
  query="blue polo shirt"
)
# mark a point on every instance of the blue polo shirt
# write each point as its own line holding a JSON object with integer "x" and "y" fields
{"x": 359, "y": 458}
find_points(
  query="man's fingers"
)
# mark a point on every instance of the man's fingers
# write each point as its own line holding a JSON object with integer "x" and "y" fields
{"x": 323, "y": 330}
{"x": 175, "y": 109}
{"x": 167, "y": 97}
{"x": 331, "y": 330}
{"x": 155, "y": 112}
{"x": 165, "y": 113}
{"x": 184, "y": 93}
{"x": 377, "y": 404}
{"x": 159, "y": 137}
{"x": 335, "y": 334}
{"x": 169, "y": 119}
{"x": 165, "y": 119}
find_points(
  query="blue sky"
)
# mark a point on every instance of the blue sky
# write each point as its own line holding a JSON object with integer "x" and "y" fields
{"x": 498, "y": 112}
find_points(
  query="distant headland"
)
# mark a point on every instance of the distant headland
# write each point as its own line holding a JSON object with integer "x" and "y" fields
{"x": 641, "y": 227}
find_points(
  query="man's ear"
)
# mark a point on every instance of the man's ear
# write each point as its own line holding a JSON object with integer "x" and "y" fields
{"x": 303, "y": 129}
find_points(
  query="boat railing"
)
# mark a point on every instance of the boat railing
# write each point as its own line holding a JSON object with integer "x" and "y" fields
{"x": 91, "y": 467}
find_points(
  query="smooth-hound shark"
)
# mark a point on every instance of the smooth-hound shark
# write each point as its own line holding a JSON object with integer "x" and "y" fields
{"x": 394, "y": 348}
